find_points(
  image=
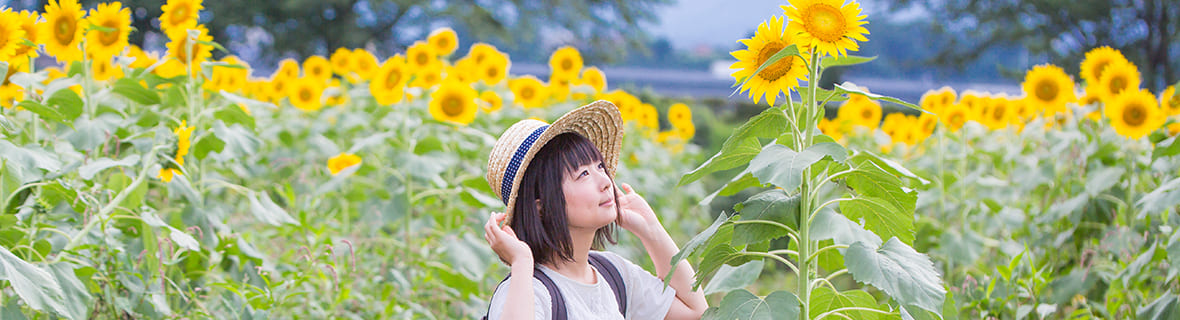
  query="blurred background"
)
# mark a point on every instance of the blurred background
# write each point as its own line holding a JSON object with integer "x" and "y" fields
{"x": 680, "y": 48}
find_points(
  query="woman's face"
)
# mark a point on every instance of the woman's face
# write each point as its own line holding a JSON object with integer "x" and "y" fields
{"x": 589, "y": 197}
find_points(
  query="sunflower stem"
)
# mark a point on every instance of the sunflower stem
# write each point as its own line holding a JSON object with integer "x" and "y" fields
{"x": 805, "y": 244}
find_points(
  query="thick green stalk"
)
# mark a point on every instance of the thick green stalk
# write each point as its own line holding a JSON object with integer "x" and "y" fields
{"x": 808, "y": 200}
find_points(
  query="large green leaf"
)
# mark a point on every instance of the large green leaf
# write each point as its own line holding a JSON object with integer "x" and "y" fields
{"x": 239, "y": 142}
{"x": 742, "y": 304}
{"x": 133, "y": 90}
{"x": 232, "y": 114}
{"x": 742, "y": 145}
{"x": 828, "y": 224}
{"x": 905, "y": 275}
{"x": 730, "y": 278}
{"x": 771, "y": 205}
{"x": 1166, "y": 148}
{"x": 845, "y": 60}
{"x": 824, "y": 299}
{"x": 693, "y": 244}
{"x": 94, "y": 167}
{"x": 67, "y": 102}
{"x": 1167, "y": 195}
{"x": 783, "y": 167}
{"x": 36, "y": 287}
{"x": 1164, "y": 307}
{"x": 207, "y": 143}
{"x": 861, "y": 157}
{"x": 267, "y": 211}
{"x": 881, "y": 218}
{"x": 77, "y": 298}
{"x": 850, "y": 88}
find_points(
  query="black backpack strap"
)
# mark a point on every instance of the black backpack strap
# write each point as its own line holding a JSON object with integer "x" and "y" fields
{"x": 611, "y": 274}
{"x": 556, "y": 300}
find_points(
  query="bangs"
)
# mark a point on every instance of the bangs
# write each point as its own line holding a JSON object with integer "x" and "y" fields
{"x": 574, "y": 151}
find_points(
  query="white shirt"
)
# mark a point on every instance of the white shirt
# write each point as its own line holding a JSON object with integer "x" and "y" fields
{"x": 647, "y": 297}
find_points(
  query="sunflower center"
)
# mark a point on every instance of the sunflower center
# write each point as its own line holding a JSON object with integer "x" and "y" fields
{"x": 452, "y": 106}
{"x": 422, "y": 59}
{"x": 527, "y": 93}
{"x": 1173, "y": 103}
{"x": 956, "y": 118}
{"x": 1046, "y": 91}
{"x": 392, "y": 79}
{"x": 567, "y": 64}
{"x": 998, "y": 112}
{"x": 779, "y": 68}
{"x": 111, "y": 37}
{"x": 1099, "y": 67}
{"x": 824, "y": 22}
{"x": 493, "y": 72}
{"x": 65, "y": 30}
{"x": 443, "y": 43}
{"x": 866, "y": 114}
{"x": 1135, "y": 114}
{"x": 305, "y": 95}
{"x": 1117, "y": 84}
{"x": 179, "y": 15}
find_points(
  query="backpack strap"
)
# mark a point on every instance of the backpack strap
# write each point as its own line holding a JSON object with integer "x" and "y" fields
{"x": 613, "y": 278}
{"x": 557, "y": 301}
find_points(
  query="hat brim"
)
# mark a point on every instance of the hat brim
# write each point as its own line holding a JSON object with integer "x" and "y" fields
{"x": 599, "y": 121}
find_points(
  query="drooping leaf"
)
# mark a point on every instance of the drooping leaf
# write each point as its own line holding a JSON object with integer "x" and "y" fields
{"x": 742, "y": 304}
{"x": 207, "y": 143}
{"x": 848, "y": 87}
{"x": 783, "y": 167}
{"x": 730, "y": 278}
{"x": 742, "y": 145}
{"x": 693, "y": 244}
{"x": 267, "y": 211}
{"x": 1103, "y": 179}
{"x": 36, "y": 287}
{"x": 772, "y": 205}
{"x": 861, "y": 157}
{"x": 232, "y": 114}
{"x": 67, "y": 102}
{"x": 909, "y": 277}
{"x": 77, "y": 298}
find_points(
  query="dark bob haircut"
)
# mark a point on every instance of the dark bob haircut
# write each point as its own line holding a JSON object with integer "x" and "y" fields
{"x": 547, "y": 232}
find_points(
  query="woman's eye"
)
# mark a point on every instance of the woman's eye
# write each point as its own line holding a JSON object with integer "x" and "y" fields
{"x": 602, "y": 166}
{"x": 584, "y": 173}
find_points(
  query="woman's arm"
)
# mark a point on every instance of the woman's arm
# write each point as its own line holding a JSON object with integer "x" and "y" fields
{"x": 517, "y": 254}
{"x": 638, "y": 218}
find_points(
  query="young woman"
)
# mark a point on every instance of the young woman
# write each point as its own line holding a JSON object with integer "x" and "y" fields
{"x": 557, "y": 183}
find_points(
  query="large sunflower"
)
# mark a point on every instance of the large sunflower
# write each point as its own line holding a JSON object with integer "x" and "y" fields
{"x": 11, "y": 34}
{"x": 420, "y": 55}
{"x": 389, "y": 84}
{"x": 1135, "y": 113}
{"x": 28, "y": 24}
{"x": 317, "y": 67}
{"x": 1117, "y": 78}
{"x": 529, "y": 92}
{"x": 777, "y": 78}
{"x": 109, "y": 41}
{"x": 1048, "y": 89}
{"x": 179, "y": 46}
{"x": 184, "y": 135}
{"x": 306, "y": 93}
{"x": 180, "y": 14}
{"x": 453, "y": 102}
{"x": 444, "y": 40}
{"x": 1096, "y": 62}
{"x": 828, "y": 27}
{"x": 998, "y": 114}
{"x": 1169, "y": 101}
{"x": 566, "y": 62}
{"x": 494, "y": 68}
{"x": 63, "y": 30}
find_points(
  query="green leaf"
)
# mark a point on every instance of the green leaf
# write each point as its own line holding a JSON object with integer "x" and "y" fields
{"x": 67, "y": 102}
{"x": 730, "y": 278}
{"x": 861, "y": 157}
{"x": 905, "y": 275}
{"x": 771, "y": 205}
{"x": 846, "y": 60}
{"x": 771, "y": 123}
{"x": 1133, "y": 268}
{"x": 76, "y": 296}
{"x": 1167, "y": 195}
{"x": 238, "y": 141}
{"x": 824, "y": 299}
{"x": 131, "y": 89}
{"x": 36, "y": 287}
{"x": 1164, "y": 307}
{"x": 232, "y": 114}
{"x": 743, "y": 181}
{"x": 730, "y": 156}
{"x": 267, "y": 211}
{"x": 45, "y": 112}
{"x": 94, "y": 167}
{"x": 742, "y": 304}
{"x": 1166, "y": 148}
{"x": 1103, "y": 179}
{"x": 828, "y": 224}
{"x": 207, "y": 143}
{"x": 848, "y": 87}
{"x": 881, "y": 218}
{"x": 783, "y": 167}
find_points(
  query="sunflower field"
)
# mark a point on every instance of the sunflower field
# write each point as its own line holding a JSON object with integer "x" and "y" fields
{"x": 143, "y": 184}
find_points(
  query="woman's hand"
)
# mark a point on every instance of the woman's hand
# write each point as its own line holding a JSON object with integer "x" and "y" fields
{"x": 635, "y": 214}
{"x": 505, "y": 243}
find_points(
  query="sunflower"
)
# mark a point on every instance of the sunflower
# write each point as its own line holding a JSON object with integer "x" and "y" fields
{"x": 453, "y": 102}
{"x": 627, "y": 103}
{"x": 927, "y": 123}
{"x": 179, "y": 46}
{"x": 946, "y": 97}
{"x": 9, "y": 93}
{"x": 930, "y": 100}
{"x": 1117, "y": 78}
{"x": 364, "y": 64}
{"x": 306, "y": 93}
{"x": 1048, "y": 89}
{"x": 443, "y": 40}
{"x": 1096, "y": 62}
{"x": 566, "y": 62}
{"x": 1135, "y": 113}
{"x": 778, "y": 78}
{"x": 317, "y": 67}
{"x": 420, "y": 55}
{"x": 860, "y": 110}
{"x": 335, "y": 94}
{"x": 142, "y": 58}
{"x": 389, "y": 84}
{"x": 1170, "y": 102}
{"x": 559, "y": 87}
{"x": 974, "y": 101}
{"x": 530, "y": 92}
{"x": 481, "y": 51}
{"x": 428, "y": 76}
{"x": 11, "y": 34}
{"x": 648, "y": 117}
{"x": 827, "y": 26}
{"x": 62, "y": 29}
{"x": 341, "y": 61}
{"x": 893, "y": 124}
{"x": 28, "y": 23}
{"x": 115, "y": 21}
{"x": 594, "y": 78}
{"x": 831, "y": 128}
{"x": 180, "y": 14}
{"x": 104, "y": 70}
{"x": 955, "y": 116}
{"x": 184, "y": 139}
{"x": 679, "y": 113}
{"x": 491, "y": 102}
{"x": 494, "y": 68}
{"x": 998, "y": 114}
{"x": 342, "y": 161}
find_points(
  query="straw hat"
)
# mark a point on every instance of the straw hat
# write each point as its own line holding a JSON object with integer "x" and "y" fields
{"x": 599, "y": 122}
